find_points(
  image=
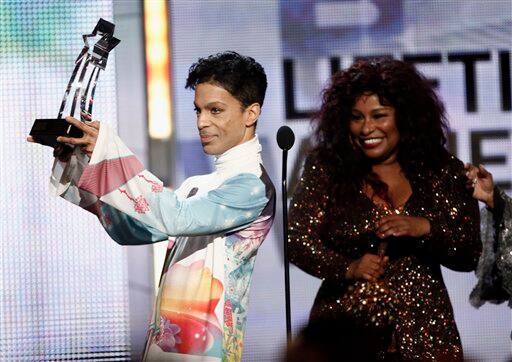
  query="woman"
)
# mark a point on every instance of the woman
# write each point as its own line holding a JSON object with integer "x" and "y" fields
{"x": 381, "y": 206}
{"x": 494, "y": 270}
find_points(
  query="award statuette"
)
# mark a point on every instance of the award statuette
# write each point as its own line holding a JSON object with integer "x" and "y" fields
{"x": 87, "y": 66}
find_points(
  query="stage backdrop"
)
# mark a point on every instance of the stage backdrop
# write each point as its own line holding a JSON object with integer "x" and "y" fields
{"x": 64, "y": 283}
{"x": 464, "y": 46}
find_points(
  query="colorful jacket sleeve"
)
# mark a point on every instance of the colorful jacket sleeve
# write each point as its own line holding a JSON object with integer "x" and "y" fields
{"x": 135, "y": 208}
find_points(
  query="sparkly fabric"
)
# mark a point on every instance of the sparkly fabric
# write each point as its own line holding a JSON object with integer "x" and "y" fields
{"x": 494, "y": 270}
{"x": 409, "y": 302}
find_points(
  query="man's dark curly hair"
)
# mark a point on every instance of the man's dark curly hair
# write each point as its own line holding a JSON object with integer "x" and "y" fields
{"x": 419, "y": 114}
{"x": 241, "y": 76}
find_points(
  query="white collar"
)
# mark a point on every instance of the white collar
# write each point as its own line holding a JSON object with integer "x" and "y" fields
{"x": 239, "y": 158}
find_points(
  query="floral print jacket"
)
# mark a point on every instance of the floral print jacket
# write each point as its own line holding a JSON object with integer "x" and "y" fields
{"x": 214, "y": 225}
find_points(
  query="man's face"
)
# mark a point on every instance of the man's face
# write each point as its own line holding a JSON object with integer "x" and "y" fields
{"x": 221, "y": 121}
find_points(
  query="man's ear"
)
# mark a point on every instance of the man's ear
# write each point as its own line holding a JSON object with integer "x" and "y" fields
{"x": 253, "y": 112}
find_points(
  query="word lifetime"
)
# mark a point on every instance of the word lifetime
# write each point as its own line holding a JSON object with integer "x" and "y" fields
{"x": 468, "y": 59}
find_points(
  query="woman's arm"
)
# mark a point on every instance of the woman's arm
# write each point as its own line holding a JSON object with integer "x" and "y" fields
{"x": 308, "y": 214}
{"x": 454, "y": 237}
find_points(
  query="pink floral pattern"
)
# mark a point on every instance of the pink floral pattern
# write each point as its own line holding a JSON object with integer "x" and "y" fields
{"x": 140, "y": 204}
{"x": 228, "y": 316}
{"x": 155, "y": 186}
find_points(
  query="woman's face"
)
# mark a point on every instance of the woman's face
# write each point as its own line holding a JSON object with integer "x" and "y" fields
{"x": 373, "y": 129}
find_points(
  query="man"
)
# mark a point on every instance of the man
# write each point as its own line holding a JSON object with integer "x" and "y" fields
{"x": 219, "y": 220}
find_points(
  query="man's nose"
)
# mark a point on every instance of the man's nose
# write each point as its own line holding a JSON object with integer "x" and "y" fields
{"x": 202, "y": 120}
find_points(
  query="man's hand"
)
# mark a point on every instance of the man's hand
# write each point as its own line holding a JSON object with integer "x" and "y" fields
{"x": 368, "y": 267}
{"x": 88, "y": 141}
{"x": 401, "y": 225}
{"x": 481, "y": 182}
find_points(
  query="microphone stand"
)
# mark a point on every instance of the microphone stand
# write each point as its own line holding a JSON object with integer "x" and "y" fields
{"x": 286, "y": 259}
{"x": 285, "y": 139}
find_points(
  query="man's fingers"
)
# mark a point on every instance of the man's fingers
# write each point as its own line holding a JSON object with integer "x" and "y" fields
{"x": 86, "y": 128}
{"x": 88, "y": 150}
{"x": 94, "y": 124}
{"x": 71, "y": 140}
{"x": 75, "y": 122}
{"x": 86, "y": 116}
{"x": 30, "y": 139}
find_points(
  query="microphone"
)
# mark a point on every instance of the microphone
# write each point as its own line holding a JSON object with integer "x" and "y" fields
{"x": 285, "y": 140}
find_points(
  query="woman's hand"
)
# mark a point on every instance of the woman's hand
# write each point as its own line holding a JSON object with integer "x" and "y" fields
{"x": 402, "y": 225}
{"x": 90, "y": 129}
{"x": 480, "y": 181}
{"x": 368, "y": 267}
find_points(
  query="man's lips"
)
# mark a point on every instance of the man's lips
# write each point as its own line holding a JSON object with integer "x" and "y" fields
{"x": 206, "y": 138}
{"x": 371, "y": 142}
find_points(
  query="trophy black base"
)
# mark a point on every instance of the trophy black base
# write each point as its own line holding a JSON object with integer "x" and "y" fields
{"x": 46, "y": 131}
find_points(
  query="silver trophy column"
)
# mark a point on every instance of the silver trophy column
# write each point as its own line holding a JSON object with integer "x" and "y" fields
{"x": 89, "y": 64}
{"x": 81, "y": 87}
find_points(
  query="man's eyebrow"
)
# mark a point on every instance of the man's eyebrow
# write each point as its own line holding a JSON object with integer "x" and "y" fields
{"x": 210, "y": 104}
{"x": 214, "y": 102}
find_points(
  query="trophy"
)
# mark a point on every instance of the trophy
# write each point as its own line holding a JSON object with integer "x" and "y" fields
{"x": 87, "y": 70}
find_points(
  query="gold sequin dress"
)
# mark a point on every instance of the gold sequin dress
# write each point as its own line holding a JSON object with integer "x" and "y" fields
{"x": 409, "y": 303}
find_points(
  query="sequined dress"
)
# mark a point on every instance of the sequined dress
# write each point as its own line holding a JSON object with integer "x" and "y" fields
{"x": 409, "y": 301}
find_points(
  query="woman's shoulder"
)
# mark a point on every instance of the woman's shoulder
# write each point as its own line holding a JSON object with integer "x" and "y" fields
{"x": 450, "y": 171}
{"x": 316, "y": 170}
{"x": 314, "y": 161}
{"x": 451, "y": 164}
{"x": 446, "y": 167}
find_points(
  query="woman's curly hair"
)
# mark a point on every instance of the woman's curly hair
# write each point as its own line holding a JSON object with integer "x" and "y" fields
{"x": 419, "y": 114}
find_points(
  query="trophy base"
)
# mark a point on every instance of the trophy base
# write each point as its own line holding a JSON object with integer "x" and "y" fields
{"x": 46, "y": 131}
